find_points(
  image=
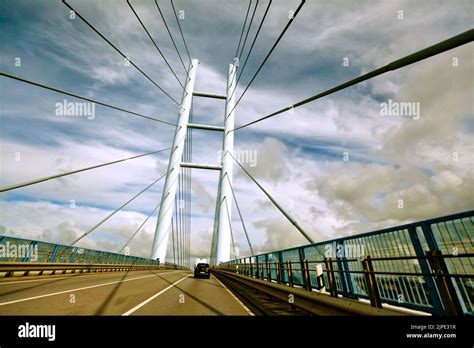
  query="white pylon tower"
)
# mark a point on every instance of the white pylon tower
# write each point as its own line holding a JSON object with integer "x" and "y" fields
{"x": 163, "y": 226}
{"x": 222, "y": 231}
{"x": 220, "y": 248}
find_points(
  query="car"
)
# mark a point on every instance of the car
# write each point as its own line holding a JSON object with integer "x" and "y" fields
{"x": 202, "y": 270}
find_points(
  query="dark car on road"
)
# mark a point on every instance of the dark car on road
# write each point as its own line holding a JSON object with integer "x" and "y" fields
{"x": 202, "y": 270}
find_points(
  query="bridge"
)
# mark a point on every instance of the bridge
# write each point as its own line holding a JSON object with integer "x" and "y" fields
{"x": 419, "y": 268}
{"x": 407, "y": 270}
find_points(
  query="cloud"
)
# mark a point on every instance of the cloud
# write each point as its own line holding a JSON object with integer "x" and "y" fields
{"x": 279, "y": 234}
{"x": 270, "y": 161}
{"x": 64, "y": 233}
{"x": 201, "y": 247}
{"x": 440, "y": 126}
{"x": 203, "y": 198}
{"x": 371, "y": 194}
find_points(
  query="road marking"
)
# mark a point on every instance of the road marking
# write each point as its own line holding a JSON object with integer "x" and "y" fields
{"x": 71, "y": 277}
{"x": 137, "y": 307}
{"x": 236, "y": 298}
{"x": 78, "y": 289}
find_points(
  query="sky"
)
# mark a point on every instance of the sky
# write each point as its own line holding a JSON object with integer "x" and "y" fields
{"x": 339, "y": 165}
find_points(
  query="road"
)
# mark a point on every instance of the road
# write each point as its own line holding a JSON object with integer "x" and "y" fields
{"x": 118, "y": 293}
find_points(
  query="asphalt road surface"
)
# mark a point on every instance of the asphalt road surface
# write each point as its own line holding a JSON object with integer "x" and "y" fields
{"x": 118, "y": 293}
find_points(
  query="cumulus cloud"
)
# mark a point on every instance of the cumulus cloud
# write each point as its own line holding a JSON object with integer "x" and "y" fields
{"x": 280, "y": 234}
{"x": 372, "y": 194}
{"x": 270, "y": 163}
{"x": 440, "y": 126}
{"x": 62, "y": 224}
{"x": 201, "y": 247}
{"x": 203, "y": 198}
{"x": 64, "y": 233}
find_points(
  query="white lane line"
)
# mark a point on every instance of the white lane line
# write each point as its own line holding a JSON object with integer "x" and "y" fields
{"x": 236, "y": 298}
{"x": 77, "y": 289}
{"x": 137, "y": 307}
{"x": 36, "y": 280}
{"x": 70, "y": 277}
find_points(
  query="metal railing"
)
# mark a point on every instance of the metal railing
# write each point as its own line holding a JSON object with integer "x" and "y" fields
{"x": 17, "y": 254}
{"x": 8, "y": 269}
{"x": 426, "y": 266}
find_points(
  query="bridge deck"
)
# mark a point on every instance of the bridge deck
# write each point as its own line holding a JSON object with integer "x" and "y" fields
{"x": 118, "y": 293}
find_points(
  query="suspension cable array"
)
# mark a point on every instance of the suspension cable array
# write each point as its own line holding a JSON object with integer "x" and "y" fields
{"x": 253, "y": 42}
{"x": 120, "y": 52}
{"x": 275, "y": 203}
{"x": 181, "y": 226}
{"x": 453, "y": 42}
{"x": 37, "y": 181}
{"x": 243, "y": 29}
{"x": 139, "y": 228}
{"x": 83, "y": 98}
{"x": 240, "y": 216}
{"x": 154, "y": 43}
{"x": 181, "y": 31}
{"x": 171, "y": 36}
{"x": 248, "y": 29}
{"x": 93, "y": 228}
{"x": 229, "y": 219}
{"x": 185, "y": 179}
{"x": 269, "y": 53}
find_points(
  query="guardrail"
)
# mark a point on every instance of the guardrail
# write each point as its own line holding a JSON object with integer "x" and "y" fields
{"x": 13, "y": 249}
{"x": 8, "y": 269}
{"x": 426, "y": 266}
{"x": 370, "y": 284}
{"x": 30, "y": 256}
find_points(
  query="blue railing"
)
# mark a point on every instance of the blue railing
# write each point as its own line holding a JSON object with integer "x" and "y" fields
{"x": 14, "y": 249}
{"x": 403, "y": 273}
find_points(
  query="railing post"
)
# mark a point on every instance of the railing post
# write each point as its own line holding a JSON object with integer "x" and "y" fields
{"x": 423, "y": 262}
{"x": 52, "y": 257}
{"x": 290, "y": 273}
{"x": 445, "y": 286}
{"x": 269, "y": 273}
{"x": 302, "y": 258}
{"x": 306, "y": 276}
{"x": 278, "y": 274}
{"x": 59, "y": 255}
{"x": 371, "y": 283}
{"x": 331, "y": 277}
{"x": 261, "y": 271}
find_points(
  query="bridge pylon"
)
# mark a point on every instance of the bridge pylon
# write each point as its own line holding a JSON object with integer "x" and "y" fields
{"x": 221, "y": 239}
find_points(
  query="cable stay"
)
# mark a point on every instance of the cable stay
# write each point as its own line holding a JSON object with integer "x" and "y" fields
{"x": 115, "y": 211}
{"x": 290, "y": 219}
